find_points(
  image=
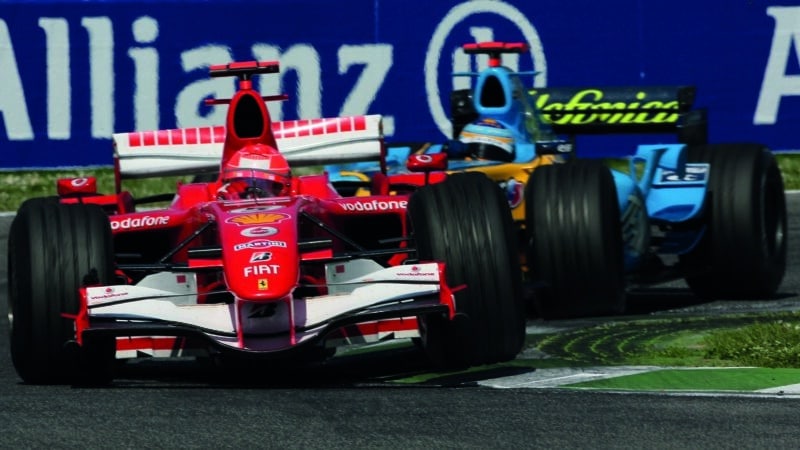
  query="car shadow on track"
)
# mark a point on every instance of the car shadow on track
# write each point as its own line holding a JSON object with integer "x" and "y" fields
{"x": 404, "y": 366}
{"x": 651, "y": 300}
{"x": 682, "y": 300}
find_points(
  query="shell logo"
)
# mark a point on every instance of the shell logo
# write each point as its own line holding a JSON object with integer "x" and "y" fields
{"x": 258, "y": 218}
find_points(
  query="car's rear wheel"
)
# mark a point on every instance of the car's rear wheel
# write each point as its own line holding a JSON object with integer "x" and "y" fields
{"x": 746, "y": 234}
{"x": 574, "y": 240}
{"x": 52, "y": 250}
{"x": 466, "y": 223}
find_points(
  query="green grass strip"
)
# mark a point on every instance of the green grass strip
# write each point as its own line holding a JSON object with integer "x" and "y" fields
{"x": 24, "y": 184}
{"x": 732, "y": 379}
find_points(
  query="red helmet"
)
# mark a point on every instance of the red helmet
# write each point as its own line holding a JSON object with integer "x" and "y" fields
{"x": 249, "y": 174}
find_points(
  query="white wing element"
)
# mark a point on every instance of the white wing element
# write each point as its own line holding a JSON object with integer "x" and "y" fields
{"x": 170, "y": 298}
{"x": 182, "y": 151}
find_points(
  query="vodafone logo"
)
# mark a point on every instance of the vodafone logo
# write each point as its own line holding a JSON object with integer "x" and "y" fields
{"x": 444, "y": 56}
{"x": 415, "y": 272}
{"x": 259, "y": 231}
{"x": 139, "y": 222}
{"x": 374, "y": 205}
{"x": 79, "y": 182}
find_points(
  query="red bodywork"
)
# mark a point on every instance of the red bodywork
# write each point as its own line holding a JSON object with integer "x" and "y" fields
{"x": 254, "y": 251}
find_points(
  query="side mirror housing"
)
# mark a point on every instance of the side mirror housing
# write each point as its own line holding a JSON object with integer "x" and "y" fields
{"x": 427, "y": 162}
{"x": 76, "y": 186}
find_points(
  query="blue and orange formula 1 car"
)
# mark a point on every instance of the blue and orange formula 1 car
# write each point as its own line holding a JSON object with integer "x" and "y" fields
{"x": 501, "y": 133}
{"x": 706, "y": 213}
{"x": 260, "y": 265}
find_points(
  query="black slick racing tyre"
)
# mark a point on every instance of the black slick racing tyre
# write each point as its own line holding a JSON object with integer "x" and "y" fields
{"x": 743, "y": 253}
{"x": 574, "y": 240}
{"x": 52, "y": 250}
{"x": 466, "y": 223}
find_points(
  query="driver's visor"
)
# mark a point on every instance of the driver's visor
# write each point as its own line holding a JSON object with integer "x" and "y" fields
{"x": 259, "y": 187}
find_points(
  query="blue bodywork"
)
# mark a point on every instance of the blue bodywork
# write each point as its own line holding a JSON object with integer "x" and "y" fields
{"x": 661, "y": 191}
{"x": 660, "y": 198}
{"x": 503, "y": 98}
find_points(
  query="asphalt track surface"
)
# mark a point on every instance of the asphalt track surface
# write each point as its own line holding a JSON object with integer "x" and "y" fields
{"x": 355, "y": 404}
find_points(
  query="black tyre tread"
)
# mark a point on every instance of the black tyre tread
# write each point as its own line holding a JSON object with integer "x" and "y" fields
{"x": 465, "y": 222}
{"x": 52, "y": 247}
{"x": 574, "y": 240}
{"x": 747, "y": 207}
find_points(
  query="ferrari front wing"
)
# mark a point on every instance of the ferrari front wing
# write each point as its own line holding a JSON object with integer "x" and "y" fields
{"x": 378, "y": 304}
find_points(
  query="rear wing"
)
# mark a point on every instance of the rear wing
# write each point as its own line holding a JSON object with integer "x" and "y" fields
{"x": 650, "y": 109}
{"x": 189, "y": 151}
{"x": 610, "y": 110}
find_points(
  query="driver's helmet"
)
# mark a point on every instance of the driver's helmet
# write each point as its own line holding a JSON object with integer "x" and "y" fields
{"x": 249, "y": 174}
{"x": 488, "y": 139}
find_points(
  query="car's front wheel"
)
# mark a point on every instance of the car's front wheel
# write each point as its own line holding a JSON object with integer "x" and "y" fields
{"x": 746, "y": 231}
{"x": 466, "y": 223}
{"x": 574, "y": 240}
{"x": 52, "y": 250}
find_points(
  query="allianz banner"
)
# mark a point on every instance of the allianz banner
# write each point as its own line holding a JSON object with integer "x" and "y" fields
{"x": 74, "y": 72}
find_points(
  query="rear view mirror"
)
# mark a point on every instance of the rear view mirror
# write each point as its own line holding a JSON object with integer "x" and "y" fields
{"x": 80, "y": 185}
{"x": 427, "y": 162}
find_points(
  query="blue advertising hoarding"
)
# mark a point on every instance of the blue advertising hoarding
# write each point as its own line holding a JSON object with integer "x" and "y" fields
{"x": 74, "y": 72}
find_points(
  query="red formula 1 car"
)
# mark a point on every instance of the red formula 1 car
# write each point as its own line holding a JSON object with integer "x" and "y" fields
{"x": 258, "y": 263}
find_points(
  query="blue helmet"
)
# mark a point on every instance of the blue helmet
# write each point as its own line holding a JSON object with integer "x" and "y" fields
{"x": 488, "y": 139}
